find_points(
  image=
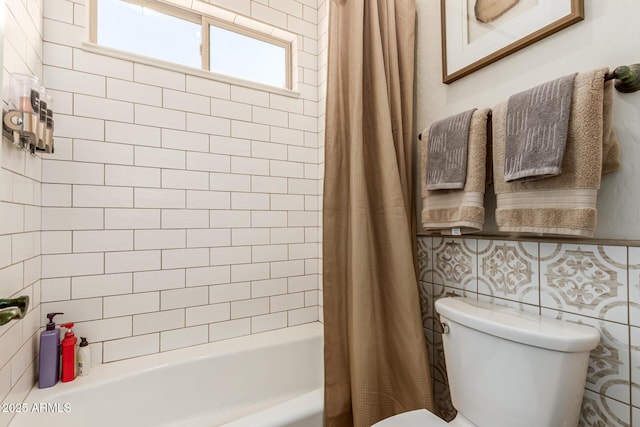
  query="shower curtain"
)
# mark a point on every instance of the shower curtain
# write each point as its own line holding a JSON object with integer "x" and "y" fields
{"x": 375, "y": 354}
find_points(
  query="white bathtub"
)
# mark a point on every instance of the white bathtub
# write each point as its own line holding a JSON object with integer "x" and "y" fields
{"x": 272, "y": 379}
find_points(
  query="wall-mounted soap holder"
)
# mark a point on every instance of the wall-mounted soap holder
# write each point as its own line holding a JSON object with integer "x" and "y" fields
{"x": 29, "y": 120}
{"x": 25, "y": 130}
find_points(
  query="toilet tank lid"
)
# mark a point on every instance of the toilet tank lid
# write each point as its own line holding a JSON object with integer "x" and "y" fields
{"x": 519, "y": 326}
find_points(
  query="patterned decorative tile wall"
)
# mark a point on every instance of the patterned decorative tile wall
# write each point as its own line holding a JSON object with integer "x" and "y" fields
{"x": 590, "y": 284}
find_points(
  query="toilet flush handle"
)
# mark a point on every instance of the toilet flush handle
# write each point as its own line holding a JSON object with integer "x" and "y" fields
{"x": 444, "y": 327}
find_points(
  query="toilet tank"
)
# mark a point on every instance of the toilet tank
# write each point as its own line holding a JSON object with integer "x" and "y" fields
{"x": 510, "y": 368}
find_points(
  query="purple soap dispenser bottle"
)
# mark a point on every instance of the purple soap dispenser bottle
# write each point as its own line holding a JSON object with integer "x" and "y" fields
{"x": 49, "y": 354}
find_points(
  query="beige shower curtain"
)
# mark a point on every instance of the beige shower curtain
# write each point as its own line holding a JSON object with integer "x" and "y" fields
{"x": 375, "y": 354}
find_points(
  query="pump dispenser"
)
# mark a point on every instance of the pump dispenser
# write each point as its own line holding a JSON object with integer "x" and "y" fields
{"x": 68, "y": 354}
{"x": 49, "y": 361}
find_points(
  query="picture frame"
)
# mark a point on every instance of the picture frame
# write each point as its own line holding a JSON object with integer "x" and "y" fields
{"x": 476, "y": 33}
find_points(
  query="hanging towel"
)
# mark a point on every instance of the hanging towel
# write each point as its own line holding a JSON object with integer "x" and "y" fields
{"x": 564, "y": 204}
{"x": 537, "y": 125}
{"x": 448, "y": 146}
{"x": 459, "y": 211}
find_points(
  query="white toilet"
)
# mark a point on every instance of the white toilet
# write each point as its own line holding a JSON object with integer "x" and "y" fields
{"x": 508, "y": 368}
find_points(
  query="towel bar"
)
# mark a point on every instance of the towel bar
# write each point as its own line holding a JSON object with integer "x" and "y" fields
{"x": 627, "y": 78}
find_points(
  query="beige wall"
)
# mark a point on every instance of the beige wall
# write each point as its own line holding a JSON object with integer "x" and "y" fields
{"x": 607, "y": 37}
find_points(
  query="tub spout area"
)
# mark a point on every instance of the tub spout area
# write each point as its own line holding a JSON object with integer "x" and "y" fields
{"x": 13, "y": 308}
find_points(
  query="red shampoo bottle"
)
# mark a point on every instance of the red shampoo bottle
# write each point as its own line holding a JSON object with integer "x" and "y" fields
{"x": 68, "y": 354}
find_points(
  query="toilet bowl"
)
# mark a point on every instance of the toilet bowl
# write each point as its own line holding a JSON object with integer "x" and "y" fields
{"x": 508, "y": 368}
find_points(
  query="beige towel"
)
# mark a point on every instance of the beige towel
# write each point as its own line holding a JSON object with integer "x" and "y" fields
{"x": 564, "y": 204}
{"x": 459, "y": 211}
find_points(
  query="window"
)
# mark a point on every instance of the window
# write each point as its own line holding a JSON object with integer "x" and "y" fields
{"x": 145, "y": 31}
{"x": 160, "y": 30}
{"x": 249, "y": 58}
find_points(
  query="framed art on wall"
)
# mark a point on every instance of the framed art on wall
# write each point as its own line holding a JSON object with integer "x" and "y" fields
{"x": 476, "y": 33}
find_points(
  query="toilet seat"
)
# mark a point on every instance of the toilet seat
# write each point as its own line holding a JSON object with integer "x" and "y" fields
{"x": 417, "y": 418}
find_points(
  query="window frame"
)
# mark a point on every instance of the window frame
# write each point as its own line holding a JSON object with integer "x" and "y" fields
{"x": 204, "y": 20}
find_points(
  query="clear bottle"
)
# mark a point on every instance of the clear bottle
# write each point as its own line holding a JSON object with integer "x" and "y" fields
{"x": 49, "y": 358}
{"x": 24, "y": 93}
{"x": 84, "y": 358}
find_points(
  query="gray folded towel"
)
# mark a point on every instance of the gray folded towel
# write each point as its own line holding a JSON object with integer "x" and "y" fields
{"x": 537, "y": 126}
{"x": 447, "y": 152}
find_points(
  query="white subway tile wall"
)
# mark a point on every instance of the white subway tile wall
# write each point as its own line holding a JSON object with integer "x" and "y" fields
{"x": 318, "y": 48}
{"x": 20, "y": 211}
{"x": 179, "y": 195}
{"x": 590, "y": 284}
{"x": 175, "y": 210}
